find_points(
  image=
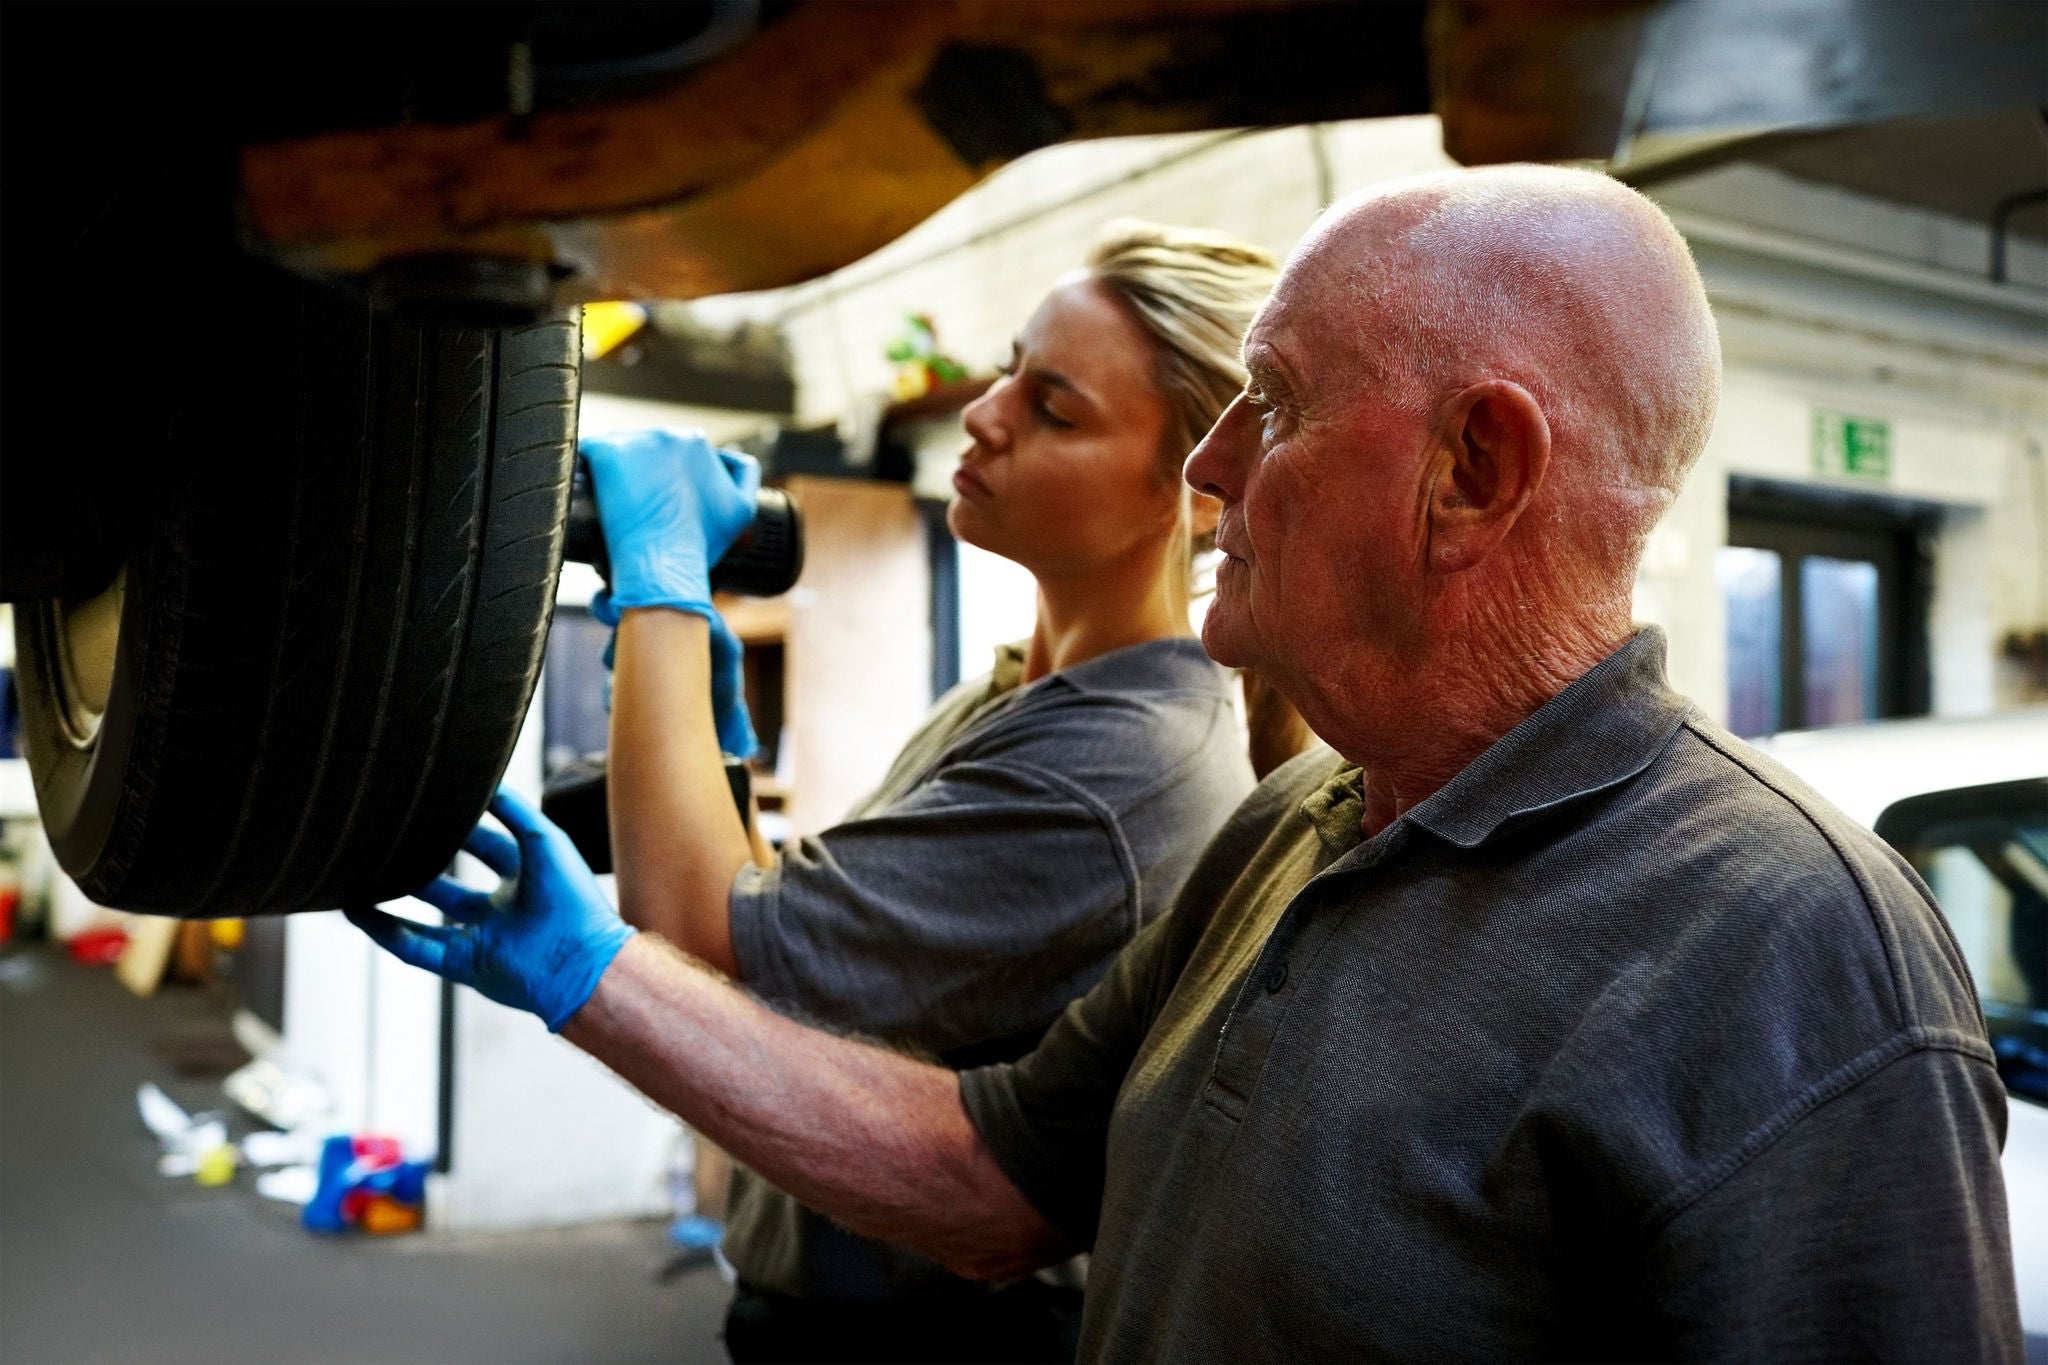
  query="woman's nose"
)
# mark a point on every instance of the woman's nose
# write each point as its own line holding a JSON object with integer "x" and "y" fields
{"x": 983, "y": 418}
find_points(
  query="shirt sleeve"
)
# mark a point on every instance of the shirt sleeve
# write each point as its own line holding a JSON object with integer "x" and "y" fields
{"x": 1046, "y": 1117}
{"x": 972, "y": 909}
{"x": 1872, "y": 1228}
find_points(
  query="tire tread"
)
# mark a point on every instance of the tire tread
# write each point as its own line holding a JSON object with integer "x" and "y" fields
{"x": 333, "y": 644}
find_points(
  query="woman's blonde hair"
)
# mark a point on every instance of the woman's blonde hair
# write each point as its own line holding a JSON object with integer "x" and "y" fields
{"x": 1193, "y": 294}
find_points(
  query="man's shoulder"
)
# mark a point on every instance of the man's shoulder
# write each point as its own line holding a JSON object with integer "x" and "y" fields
{"x": 1765, "y": 951}
{"x": 1762, "y": 952}
{"x": 1770, "y": 846}
{"x": 1777, "y": 875}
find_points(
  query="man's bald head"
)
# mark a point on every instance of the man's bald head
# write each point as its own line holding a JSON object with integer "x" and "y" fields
{"x": 1565, "y": 282}
{"x": 1470, "y": 398}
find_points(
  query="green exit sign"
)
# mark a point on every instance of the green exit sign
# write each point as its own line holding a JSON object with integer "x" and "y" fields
{"x": 1858, "y": 447}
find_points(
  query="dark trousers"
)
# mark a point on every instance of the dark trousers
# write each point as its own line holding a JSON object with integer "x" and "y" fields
{"x": 1029, "y": 1323}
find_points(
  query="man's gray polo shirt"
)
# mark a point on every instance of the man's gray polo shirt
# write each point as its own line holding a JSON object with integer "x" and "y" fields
{"x": 1621, "y": 1045}
{"x": 1023, "y": 837}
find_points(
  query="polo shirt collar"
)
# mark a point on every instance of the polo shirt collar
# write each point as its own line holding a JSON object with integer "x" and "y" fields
{"x": 1598, "y": 733}
{"x": 1008, "y": 671}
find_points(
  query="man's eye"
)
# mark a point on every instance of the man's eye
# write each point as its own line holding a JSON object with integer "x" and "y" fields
{"x": 1051, "y": 418}
{"x": 1256, "y": 397}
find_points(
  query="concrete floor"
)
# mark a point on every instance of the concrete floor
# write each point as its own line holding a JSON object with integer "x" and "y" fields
{"x": 104, "y": 1260}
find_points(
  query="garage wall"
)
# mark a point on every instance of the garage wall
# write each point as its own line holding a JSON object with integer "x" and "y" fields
{"x": 1955, "y": 365}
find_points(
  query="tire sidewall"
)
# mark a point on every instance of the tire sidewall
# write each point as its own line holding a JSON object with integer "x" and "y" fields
{"x": 79, "y": 787}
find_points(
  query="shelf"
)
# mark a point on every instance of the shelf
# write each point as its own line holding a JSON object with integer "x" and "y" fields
{"x": 933, "y": 404}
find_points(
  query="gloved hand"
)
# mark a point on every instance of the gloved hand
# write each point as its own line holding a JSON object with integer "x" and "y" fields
{"x": 671, "y": 505}
{"x": 538, "y": 943}
{"x": 728, "y": 678}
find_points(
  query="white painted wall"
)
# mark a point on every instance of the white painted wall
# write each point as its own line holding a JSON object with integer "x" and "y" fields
{"x": 1989, "y": 552}
{"x": 1769, "y": 198}
{"x": 1836, "y": 301}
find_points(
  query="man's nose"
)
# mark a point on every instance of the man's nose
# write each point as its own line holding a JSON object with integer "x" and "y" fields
{"x": 1216, "y": 465}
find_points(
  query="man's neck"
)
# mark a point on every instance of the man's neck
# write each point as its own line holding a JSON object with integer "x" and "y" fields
{"x": 1427, "y": 721}
{"x": 1111, "y": 607}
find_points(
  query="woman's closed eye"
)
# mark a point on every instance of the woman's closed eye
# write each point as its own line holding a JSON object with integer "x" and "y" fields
{"x": 1010, "y": 371}
{"x": 1048, "y": 416}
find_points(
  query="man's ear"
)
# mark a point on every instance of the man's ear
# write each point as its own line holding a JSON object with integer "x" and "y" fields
{"x": 1493, "y": 452}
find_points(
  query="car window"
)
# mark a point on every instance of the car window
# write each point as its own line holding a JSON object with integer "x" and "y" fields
{"x": 1984, "y": 853}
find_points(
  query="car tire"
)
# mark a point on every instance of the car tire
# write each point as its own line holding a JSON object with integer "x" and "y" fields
{"x": 312, "y": 668}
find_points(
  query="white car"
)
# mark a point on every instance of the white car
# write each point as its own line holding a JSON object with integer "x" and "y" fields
{"x": 1966, "y": 802}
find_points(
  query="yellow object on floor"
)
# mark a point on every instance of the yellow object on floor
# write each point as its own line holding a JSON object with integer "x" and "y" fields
{"x": 217, "y": 1167}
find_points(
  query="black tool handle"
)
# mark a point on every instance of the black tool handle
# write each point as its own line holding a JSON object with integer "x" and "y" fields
{"x": 764, "y": 562}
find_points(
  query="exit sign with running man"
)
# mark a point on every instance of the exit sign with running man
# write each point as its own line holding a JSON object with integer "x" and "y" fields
{"x": 1857, "y": 447}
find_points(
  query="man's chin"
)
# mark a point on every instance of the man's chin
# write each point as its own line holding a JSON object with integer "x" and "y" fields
{"x": 1221, "y": 640}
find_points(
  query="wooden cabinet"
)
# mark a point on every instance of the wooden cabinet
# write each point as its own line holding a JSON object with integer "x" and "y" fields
{"x": 839, "y": 668}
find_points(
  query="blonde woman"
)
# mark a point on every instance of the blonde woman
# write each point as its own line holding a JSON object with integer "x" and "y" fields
{"x": 1042, "y": 814}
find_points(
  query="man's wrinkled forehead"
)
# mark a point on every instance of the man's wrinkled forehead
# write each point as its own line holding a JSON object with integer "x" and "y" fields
{"x": 1336, "y": 304}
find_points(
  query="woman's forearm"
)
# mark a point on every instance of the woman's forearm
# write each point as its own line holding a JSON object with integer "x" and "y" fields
{"x": 677, "y": 841}
{"x": 877, "y": 1141}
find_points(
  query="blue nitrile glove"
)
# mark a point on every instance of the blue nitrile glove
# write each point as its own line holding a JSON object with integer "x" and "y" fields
{"x": 671, "y": 504}
{"x": 728, "y": 677}
{"x": 538, "y": 943}
{"x": 729, "y": 692}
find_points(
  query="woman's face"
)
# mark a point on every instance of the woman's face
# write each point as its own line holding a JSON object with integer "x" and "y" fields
{"x": 1064, "y": 472}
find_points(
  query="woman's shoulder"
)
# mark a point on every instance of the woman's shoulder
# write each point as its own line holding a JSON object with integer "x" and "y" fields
{"x": 1122, "y": 728}
{"x": 1176, "y": 664}
{"x": 1163, "y": 691}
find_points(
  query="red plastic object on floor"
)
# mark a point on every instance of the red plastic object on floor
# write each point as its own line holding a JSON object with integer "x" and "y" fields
{"x": 98, "y": 947}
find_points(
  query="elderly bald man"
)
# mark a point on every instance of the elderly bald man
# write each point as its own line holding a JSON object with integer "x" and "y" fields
{"x": 1540, "y": 1018}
